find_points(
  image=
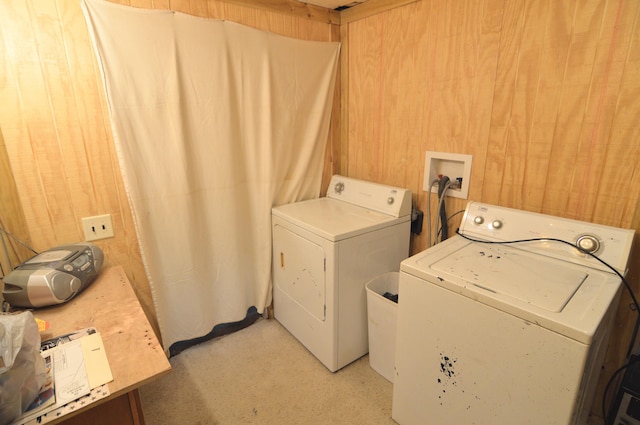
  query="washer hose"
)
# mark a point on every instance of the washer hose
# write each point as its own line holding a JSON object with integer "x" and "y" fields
{"x": 442, "y": 188}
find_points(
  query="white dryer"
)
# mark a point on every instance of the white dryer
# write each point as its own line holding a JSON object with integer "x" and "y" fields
{"x": 496, "y": 332}
{"x": 325, "y": 251}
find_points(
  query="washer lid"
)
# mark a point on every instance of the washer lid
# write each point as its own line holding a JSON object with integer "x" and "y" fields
{"x": 335, "y": 220}
{"x": 561, "y": 296}
{"x": 530, "y": 278}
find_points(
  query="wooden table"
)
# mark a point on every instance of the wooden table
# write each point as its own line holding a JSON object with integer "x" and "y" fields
{"x": 134, "y": 353}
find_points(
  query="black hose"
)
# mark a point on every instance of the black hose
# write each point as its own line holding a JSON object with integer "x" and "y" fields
{"x": 444, "y": 234}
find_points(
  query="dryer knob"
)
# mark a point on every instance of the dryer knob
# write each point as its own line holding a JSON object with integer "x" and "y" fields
{"x": 390, "y": 200}
{"x": 496, "y": 224}
{"x": 339, "y": 187}
{"x": 478, "y": 219}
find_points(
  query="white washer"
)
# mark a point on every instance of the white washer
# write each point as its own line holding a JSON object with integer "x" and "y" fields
{"x": 506, "y": 333}
{"x": 324, "y": 252}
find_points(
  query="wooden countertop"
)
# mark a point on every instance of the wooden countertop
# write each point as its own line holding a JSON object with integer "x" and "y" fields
{"x": 110, "y": 305}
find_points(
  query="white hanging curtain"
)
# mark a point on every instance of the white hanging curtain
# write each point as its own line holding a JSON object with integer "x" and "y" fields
{"x": 214, "y": 123}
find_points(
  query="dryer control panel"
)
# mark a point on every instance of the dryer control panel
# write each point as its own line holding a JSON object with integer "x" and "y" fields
{"x": 501, "y": 224}
{"x": 389, "y": 200}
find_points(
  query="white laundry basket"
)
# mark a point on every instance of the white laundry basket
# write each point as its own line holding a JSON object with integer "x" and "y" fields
{"x": 382, "y": 317}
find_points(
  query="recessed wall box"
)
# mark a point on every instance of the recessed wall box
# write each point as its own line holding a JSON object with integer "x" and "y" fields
{"x": 453, "y": 165}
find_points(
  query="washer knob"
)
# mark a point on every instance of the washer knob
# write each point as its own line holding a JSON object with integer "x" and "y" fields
{"x": 339, "y": 187}
{"x": 588, "y": 243}
{"x": 390, "y": 200}
{"x": 478, "y": 219}
{"x": 496, "y": 224}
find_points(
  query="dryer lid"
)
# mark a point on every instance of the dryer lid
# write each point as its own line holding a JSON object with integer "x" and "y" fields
{"x": 335, "y": 220}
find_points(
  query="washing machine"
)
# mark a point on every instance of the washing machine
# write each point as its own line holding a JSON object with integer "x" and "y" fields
{"x": 507, "y": 322}
{"x": 325, "y": 250}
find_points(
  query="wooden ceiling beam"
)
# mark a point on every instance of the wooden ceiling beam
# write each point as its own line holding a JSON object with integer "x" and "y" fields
{"x": 293, "y": 7}
{"x": 369, "y": 8}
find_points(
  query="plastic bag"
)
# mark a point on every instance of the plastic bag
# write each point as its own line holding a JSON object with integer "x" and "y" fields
{"x": 22, "y": 368}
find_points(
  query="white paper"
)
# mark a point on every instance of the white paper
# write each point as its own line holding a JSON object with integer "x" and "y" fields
{"x": 80, "y": 374}
{"x": 70, "y": 374}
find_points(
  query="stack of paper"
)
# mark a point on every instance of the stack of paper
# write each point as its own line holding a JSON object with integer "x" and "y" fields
{"x": 78, "y": 372}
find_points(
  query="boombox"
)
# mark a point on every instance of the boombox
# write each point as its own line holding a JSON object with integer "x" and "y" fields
{"x": 53, "y": 276}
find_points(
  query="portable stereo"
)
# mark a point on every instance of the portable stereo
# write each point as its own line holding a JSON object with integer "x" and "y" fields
{"x": 54, "y": 276}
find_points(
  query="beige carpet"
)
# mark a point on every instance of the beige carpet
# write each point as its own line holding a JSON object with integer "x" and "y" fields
{"x": 263, "y": 375}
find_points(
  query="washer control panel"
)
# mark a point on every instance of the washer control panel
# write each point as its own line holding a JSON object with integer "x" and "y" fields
{"x": 501, "y": 224}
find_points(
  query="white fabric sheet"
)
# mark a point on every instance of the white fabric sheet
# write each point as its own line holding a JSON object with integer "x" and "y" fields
{"x": 214, "y": 123}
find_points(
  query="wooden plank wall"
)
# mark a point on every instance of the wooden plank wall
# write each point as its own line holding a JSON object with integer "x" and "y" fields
{"x": 11, "y": 218}
{"x": 56, "y": 128}
{"x": 544, "y": 94}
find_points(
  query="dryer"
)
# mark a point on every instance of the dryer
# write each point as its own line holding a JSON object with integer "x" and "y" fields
{"x": 324, "y": 252}
{"x": 494, "y": 331}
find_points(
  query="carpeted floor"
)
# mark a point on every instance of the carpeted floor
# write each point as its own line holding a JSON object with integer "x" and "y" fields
{"x": 263, "y": 375}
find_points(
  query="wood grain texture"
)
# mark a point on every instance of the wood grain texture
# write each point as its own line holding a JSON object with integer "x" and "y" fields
{"x": 11, "y": 218}
{"x": 332, "y": 151}
{"x": 418, "y": 77}
{"x": 135, "y": 355}
{"x": 540, "y": 93}
{"x": 369, "y": 8}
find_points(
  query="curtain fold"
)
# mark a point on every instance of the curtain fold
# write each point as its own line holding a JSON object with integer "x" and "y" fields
{"x": 214, "y": 123}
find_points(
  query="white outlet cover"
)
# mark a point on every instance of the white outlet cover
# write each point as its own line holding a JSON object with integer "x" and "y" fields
{"x": 97, "y": 227}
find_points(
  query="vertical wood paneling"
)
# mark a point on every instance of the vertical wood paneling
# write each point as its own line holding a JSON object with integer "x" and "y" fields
{"x": 535, "y": 99}
{"x": 364, "y": 97}
{"x": 333, "y": 151}
{"x": 11, "y": 218}
{"x": 420, "y": 78}
{"x": 621, "y": 129}
{"x": 600, "y": 77}
{"x": 396, "y": 136}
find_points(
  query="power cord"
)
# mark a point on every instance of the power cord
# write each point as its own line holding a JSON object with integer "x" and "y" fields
{"x": 6, "y": 232}
{"x": 622, "y": 278}
{"x": 442, "y": 190}
{"x": 631, "y": 362}
{"x": 450, "y": 218}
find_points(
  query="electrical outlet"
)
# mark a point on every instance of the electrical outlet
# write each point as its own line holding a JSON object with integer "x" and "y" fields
{"x": 97, "y": 227}
{"x": 452, "y": 165}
